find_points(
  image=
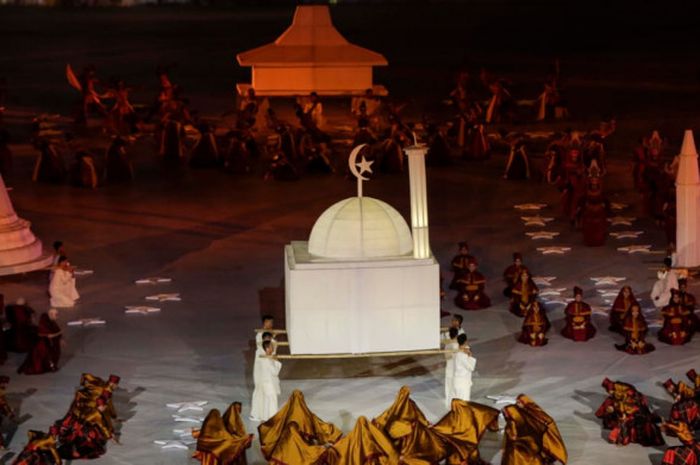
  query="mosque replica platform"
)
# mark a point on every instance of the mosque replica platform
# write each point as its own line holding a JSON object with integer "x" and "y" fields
{"x": 339, "y": 297}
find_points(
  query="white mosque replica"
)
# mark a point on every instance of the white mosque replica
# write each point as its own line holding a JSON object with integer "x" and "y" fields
{"x": 364, "y": 282}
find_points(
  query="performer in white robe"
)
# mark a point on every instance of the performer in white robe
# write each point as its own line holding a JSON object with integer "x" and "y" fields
{"x": 451, "y": 345}
{"x": 268, "y": 382}
{"x": 667, "y": 280}
{"x": 257, "y": 365}
{"x": 464, "y": 364}
{"x": 455, "y": 323}
{"x": 268, "y": 323}
{"x": 62, "y": 286}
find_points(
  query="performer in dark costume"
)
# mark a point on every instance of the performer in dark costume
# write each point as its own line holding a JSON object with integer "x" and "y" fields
{"x": 118, "y": 168}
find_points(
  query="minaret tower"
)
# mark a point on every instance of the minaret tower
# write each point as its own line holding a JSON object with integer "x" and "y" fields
{"x": 419, "y": 200}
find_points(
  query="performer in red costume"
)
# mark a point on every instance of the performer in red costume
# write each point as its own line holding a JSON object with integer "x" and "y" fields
{"x": 578, "y": 319}
{"x": 471, "y": 289}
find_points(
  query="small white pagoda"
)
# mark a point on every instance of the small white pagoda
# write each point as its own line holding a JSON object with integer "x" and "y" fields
{"x": 311, "y": 55}
{"x": 20, "y": 250}
{"x": 364, "y": 282}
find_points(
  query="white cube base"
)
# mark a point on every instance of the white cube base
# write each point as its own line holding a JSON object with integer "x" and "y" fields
{"x": 361, "y": 306}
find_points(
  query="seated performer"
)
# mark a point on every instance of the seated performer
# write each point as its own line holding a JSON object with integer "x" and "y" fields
{"x": 222, "y": 440}
{"x": 451, "y": 345}
{"x": 531, "y": 435}
{"x": 620, "y": 308}
{"x": 689, "y": 450}
{"x": 21, "y": 336}
{"x": 634, "y": 328}
{"x": 459, "y": 264}
{"x": 464, "y": 365}
{"x": 578, "y": 319}
{"x": 471, "y": 294}
{"x": 523, "y": 293}
{"x": 269, "y": 383}
{"x": 46, "y": 353}
{"x": 685, "y": 408}
{"x": 535, "y": 326}
{"x": 512, "y": 273}
{"x": 40, "y": 450}
{"x": 677, "y": 328}
{"x": 5, "y": 409}
{"x": 62, "y": 287}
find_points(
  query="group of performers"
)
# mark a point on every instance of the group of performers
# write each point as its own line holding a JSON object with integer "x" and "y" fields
{"x": 626, "y": 316}
{"x": 82, "y": 433}
{"x": 627, "y": 414}
{"x": 401, "y": 434}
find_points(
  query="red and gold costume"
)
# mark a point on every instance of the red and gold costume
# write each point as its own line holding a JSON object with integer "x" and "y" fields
{"x": 578, "y": 319}
{"x": 40, "y": 450}
{"x": 223, "y": 440}
{"x": 623, "y": 302}
{"x": 84, "y": 431}
{"x": 626, "y": 413}
{"x": 45, "y": 354}
{"x": 617, "y": 391}
{"x": 471, "y": 287}
{"x": 522, "y": 294}
{"x": 531, "y": 436}
{"x": 459, "y": 264}
{"x": 678, "y": 327}
{"x": 512, "y": 273}
{"x": 634, "y": 329}
{"x": 685, "y": 406}
{"x": 535, "y": 326}
{"x": 462, "y": 429}
{"x": 686, "y": 454}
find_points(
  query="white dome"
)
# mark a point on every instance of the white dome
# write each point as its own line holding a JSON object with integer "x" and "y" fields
{"x": 360, "y": 227}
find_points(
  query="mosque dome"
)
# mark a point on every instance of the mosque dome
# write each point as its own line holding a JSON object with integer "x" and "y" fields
{"x": 360, "y": 227}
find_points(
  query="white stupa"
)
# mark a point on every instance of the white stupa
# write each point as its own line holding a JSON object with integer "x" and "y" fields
{"x": 687, "y": 204}
{"x": 20, "y": 250}
{"x": 365, "y": 282}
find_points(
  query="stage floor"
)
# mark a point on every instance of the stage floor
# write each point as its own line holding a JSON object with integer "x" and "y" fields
{"x": 221, "y": 238}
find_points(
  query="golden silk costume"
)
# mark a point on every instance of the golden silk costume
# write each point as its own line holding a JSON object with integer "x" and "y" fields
{"x": 311, "y": 428}
{"x": 292, "y": 449}
{"x": 531, "y": 436}
{"x": 222, "y": 441}
{"x": 366, "y": 444}
{"x": 462, "y": 429}
{"x": 403, "y": 408}
{"x": 418, "y": 444}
